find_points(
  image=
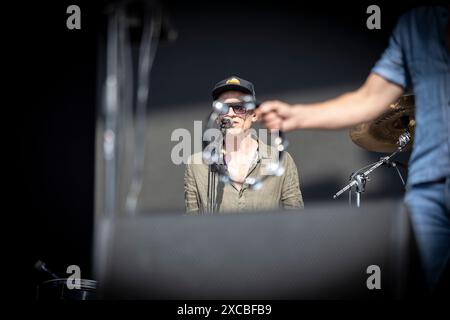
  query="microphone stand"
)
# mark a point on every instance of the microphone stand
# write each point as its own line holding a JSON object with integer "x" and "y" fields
{"x": 395, "y": 164}
{"x": 358, "y": 179}
{"x": 213, "y": 169}
{"x": 211, "y": 206}
{"x": 41, "y": 267}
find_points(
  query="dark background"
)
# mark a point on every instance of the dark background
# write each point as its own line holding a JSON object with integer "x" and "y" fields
{"x": 282, "y": 46}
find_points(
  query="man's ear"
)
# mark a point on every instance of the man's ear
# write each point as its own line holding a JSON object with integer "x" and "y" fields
{"x": 254, "y": 117}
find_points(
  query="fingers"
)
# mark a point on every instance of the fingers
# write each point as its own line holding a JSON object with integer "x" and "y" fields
{"x": 268, "y": 106}
{"x": 271, "y": 113}
{"x": 279, "y": 115}
{"x": 267, "y": 110}
{"x": 268, "y": 117}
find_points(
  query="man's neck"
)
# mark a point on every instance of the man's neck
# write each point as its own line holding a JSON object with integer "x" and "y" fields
{"x": 241, "y": 143}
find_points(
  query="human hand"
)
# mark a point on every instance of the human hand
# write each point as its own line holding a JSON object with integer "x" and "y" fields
{"x": 278, "y": 115}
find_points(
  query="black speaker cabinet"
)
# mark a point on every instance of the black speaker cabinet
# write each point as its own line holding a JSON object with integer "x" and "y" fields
{"x": 322, "y": 252}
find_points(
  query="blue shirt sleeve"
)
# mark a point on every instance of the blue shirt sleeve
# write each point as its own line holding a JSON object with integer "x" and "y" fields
{"x": 392, "y": 65}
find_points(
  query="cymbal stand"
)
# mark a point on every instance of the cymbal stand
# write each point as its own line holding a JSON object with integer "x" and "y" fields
{"x": 359, "y": 178}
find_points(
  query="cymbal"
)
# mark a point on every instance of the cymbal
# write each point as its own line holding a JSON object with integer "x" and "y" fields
{"x": 381, "y": 134}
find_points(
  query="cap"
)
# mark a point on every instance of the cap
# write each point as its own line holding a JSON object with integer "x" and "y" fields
{"x": 233, "y": 83}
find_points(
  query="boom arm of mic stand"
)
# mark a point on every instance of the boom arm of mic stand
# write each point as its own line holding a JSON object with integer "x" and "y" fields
{"x": 351, "y": 184}
{"x": 359, "y": 179}
{"x": 366, "y": 173}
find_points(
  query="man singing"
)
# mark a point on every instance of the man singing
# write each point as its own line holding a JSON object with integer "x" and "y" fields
{"x": 244, "y": 155}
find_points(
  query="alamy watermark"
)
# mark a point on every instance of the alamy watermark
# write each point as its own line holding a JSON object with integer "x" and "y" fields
{"x": 74, "y": 280}
{"x": 188, "y": 144}
{"x": 74, "y": 19}
{"x": 374, "y": 20}
{"x": 374, "y": 280}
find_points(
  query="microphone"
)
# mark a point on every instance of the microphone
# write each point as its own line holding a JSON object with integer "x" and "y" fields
{"x": 225, "y": 123}
{"x": 40, "y": 266}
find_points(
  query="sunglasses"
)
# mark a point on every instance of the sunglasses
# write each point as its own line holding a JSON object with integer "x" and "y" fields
{"x": 237, "y": 107}
{"x": 241, "y": 107}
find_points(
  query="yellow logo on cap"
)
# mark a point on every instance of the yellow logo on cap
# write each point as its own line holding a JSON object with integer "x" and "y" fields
{"x": 233, "y": 81}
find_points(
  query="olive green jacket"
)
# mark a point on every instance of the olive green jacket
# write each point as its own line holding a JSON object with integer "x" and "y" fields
{"x": 276, "y": 191}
